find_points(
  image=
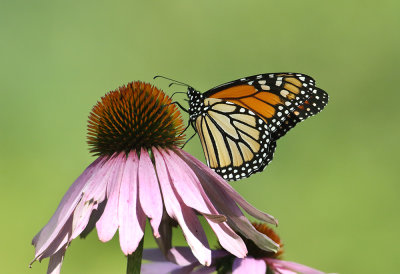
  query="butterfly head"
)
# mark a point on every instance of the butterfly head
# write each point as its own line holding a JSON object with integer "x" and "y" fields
{"x": 196, "y": 103}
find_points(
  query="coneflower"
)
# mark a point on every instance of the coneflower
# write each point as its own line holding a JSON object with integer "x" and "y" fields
{"x": 135, "y": 131}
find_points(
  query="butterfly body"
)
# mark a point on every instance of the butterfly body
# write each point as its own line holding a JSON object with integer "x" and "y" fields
{"x": 239, "y": 122}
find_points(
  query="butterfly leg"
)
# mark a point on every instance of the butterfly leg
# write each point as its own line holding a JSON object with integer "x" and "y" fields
{"x": 177, "y": 103}
{"x": 185, "y": 129}
{"x": 184, "y": 109}
{"x": 188, "y": 140}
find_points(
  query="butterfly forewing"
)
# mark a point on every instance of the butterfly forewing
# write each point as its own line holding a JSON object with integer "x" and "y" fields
{"x": 313, "y": 105}
{"x": 236, "y": 142}
{"x": 270, "y": 96}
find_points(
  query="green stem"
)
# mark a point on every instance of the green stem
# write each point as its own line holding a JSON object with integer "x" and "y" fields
{"x": 135, "y": 260}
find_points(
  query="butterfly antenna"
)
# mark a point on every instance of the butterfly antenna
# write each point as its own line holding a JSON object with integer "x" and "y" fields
{"x": 175, "y": 81}
{"x": 176, "y": 93}
{"x": 178, "y": 84}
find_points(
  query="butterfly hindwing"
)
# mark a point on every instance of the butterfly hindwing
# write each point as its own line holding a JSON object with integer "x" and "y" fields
{"x": 235, "y": 141}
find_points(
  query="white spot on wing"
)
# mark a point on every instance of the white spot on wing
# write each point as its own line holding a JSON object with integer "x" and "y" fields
{"x": 284, "y": 93}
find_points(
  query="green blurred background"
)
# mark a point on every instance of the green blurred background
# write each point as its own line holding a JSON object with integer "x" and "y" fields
{"x": 332, "y": 183}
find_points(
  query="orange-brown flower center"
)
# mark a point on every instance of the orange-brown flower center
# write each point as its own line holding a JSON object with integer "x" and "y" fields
{"x": 224, "y": 264}
{"x": 264, "y": 229}
{"x": 132, "y": 117}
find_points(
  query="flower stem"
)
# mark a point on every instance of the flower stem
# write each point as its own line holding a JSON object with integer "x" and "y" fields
{"x": 135, "y": 260}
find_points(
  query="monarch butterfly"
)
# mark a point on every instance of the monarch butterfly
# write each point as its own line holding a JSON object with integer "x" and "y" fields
{"x": 240, "y": 121}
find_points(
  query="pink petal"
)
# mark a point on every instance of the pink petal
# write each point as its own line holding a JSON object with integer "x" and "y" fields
{"x": 175, "y": 208}
{"x": 94, "y": 194}
{"x": 230, "y": 191}
{"x": 278, "y": 270}
{"x": 192, "y": 193}
{"x": 221, "y": 198}
{"x": 182, "y": 256}
{"x": 95, "y": 190}
{"x": 62, "y": 239}
{"x": 184, "y": 181}
{"x": 107, "y": 225}
{"x": 94, "y": 217}
{"x": 194, "y": 234}
{"x": 292, "y": 266}
{"x": 149, "y": 192}
{"x": 131, "y": 218}
{"x": 64, "y": 210}
{"x": 159, "y": 267}
{"x": 243, "y": 225}
{"x": 249, "y": 265}
{"x": 56, "y": 261}
{"x": 153, "y": 254}
{"x": 81, "y": 217}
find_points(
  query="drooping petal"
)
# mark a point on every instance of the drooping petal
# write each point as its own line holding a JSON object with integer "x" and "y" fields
{"x": 56, "y": 261}
{"x": 292, "y": 266}
{"x": 192, "y": 193}
{"x": 189, "y": 188}
{"x": 81, "y": 217}
{"x": 184, "y": 181}
{"x": 149, "y": 192}
{"x": 181, "y": 256}
{"x": 249, "y": 265}
{"x": 222, "y": 199}
{"x": 108, "y": 222}
{"x": 186, "y": 218}
{"x": 242, "y": 224}
{"x": 94, "y": 217}
{"x": 203, "y": 171}
{"x": 95, "y": 191}
{"x": 64, "y": 210}
{"x": 130, "y": 217}
{"x": 62, "y": 239}
{"x": 279, "y": 270}
{"x": 197, "y": 238}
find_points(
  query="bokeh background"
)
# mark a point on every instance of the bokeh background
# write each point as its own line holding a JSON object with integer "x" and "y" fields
{"x": 334, "y": 181}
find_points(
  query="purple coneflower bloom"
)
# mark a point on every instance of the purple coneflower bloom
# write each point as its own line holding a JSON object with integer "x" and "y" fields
{"x": 180, "y": 260}
{"x": 141, "y": 173}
